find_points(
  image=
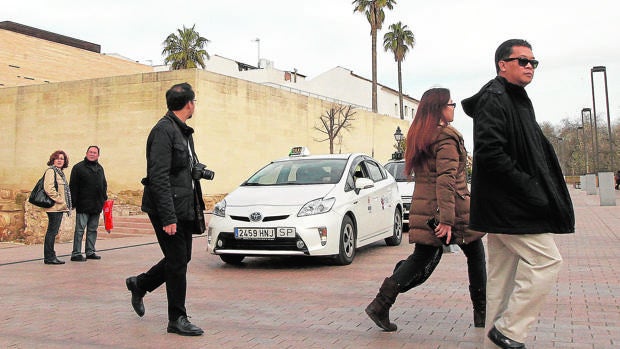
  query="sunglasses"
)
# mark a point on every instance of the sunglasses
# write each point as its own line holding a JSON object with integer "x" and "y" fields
{"x": 523, "y": 61}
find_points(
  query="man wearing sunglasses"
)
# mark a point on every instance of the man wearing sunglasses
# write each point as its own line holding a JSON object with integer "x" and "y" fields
{"x": 518, "y": 196}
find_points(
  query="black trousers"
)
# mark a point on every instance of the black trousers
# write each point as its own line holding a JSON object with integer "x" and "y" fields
{"x": 54, "y": 219}
{"x": 414, "y": 270}
{"x": 172, "y": 269}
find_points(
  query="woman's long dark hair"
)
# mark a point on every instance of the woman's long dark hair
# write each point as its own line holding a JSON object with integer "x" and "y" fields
{"x": 424, "y": 126}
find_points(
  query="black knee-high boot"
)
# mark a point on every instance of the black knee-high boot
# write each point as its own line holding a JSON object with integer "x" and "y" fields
{"x": 479, "y": 300}
{"x": 379, "y": 309}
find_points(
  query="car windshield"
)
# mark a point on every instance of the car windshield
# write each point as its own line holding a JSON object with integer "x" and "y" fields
{"x": 397, "y": 169}
{"x": 299, "y": 172}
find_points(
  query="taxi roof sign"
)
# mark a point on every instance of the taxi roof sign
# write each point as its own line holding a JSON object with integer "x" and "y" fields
{"x": 299, "y": 151}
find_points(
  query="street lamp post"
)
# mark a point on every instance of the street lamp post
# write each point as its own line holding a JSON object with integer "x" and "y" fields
{"x": 587, "y": 113}
{"x": 602, "y": 69}
{"x": 257, "y": 41}
{"x": 398, "y": 136}
{"x": 585, "y": 151}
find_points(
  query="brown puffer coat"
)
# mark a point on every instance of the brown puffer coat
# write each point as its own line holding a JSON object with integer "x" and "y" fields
{"x": 441, "y": 183}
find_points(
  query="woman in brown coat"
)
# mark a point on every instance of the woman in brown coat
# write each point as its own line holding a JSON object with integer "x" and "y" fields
{"x": 56, "y": 187}
{"x": 436, "y": 154}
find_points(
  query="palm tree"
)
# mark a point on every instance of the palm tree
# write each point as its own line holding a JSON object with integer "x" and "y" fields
{"x": 398, "y": 40}
{"x": 185, "y": 50}
{"x": 373, "y": 9}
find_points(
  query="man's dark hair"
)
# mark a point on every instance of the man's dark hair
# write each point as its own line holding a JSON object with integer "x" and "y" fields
{"x": 179, "y": 95}
{"x": 93, "y": 146}
{"x": 505, "y": 50}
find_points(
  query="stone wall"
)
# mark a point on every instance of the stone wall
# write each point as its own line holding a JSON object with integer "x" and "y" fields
{"x": 21, "y": 222}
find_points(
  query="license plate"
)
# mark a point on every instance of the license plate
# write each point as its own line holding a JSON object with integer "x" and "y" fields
{"x": 264, "y": 233}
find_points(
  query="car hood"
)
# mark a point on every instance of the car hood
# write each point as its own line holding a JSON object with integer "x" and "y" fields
{"x": 286, "y": 195}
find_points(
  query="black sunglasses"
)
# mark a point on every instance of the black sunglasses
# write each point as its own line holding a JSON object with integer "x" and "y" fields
{"x": 523, "y": 61}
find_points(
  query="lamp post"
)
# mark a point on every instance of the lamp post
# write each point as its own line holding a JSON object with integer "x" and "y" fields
{"x": 257, "y": 41}
{"x": 559, "y": 142}
{"x": 602, "y": 69}
{"x": 585, "y": 151}
{"x": 398, "y": 136}
{"x": 587, "y": 113}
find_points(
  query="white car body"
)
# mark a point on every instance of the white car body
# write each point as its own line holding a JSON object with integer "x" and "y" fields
{"x": 405, "y": 186}
{"x": 266, "y": 220}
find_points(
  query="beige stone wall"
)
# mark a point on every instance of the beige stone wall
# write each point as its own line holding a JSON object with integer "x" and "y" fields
{"x": 239, "y": 126}
{"x": 27, "y": 60}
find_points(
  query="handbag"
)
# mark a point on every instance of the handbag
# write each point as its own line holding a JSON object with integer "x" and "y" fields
{"x": 39, "y": 197}
{"x": 107, "y": 215}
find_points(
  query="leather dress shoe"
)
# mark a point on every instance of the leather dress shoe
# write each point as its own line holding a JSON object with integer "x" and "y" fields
{"x": 93, "y": 256}
{"x": 502, "y": 341}
{"x": 183, "y": 327}
{"x": 136, "y": 295}
{"x": 54, "y": 261}
{"x": 78, "y": 258}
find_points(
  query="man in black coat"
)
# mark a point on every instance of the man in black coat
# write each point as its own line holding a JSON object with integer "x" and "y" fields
{"x": 173, "y": 200}
{"x": 518, "y": 196}
{"x": 88, "y": 194}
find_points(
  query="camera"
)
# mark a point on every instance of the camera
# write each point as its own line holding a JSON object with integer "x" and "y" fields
{"x": 200, "y": 171}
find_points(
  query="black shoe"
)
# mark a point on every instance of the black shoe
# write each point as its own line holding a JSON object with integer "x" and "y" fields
{"x": 136, "y": 295}
{"x": 54, "y": 261}
{"x": 78, "y": 258}
{"x": 183, "y": 327}
{"x": 502, "y": 341}
{"x": 93, "y": 256}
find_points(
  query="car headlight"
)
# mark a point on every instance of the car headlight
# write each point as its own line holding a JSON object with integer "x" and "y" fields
{"x": 317, "y": 206}
{"x": 220, "y": 209}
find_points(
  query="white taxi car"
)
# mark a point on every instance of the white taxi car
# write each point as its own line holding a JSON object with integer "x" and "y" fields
{"x": 312, "y": 205}
{"x": 396, "y": 167}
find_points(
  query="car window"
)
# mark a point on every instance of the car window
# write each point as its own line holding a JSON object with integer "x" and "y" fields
{"x": 299, "y": 172}
{"x": 397, "y": 170}
{"x": 374, "y": 171}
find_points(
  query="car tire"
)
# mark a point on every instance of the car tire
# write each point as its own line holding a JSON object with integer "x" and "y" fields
{"x": 397, "y": 233}
{"x": 347, "y": 242}
{"x": 232, "y": 258}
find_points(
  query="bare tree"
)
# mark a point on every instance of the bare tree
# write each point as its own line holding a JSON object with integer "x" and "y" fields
{"x": 335, "y": 119}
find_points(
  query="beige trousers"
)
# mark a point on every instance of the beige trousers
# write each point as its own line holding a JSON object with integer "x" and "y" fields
{"x": 522, "y": 270}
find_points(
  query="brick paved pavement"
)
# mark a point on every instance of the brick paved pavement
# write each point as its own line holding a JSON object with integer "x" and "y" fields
{"x": 298, "y": 302}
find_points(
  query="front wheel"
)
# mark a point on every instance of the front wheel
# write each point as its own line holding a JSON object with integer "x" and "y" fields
{"x": 397, "y": 232}
{"x": 346, "y": 251}
{"x": 232, "y": 258}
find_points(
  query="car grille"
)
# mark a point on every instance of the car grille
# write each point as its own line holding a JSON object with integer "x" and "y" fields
{"x": 282, "y": 244}
{"x": 266, "y": 219}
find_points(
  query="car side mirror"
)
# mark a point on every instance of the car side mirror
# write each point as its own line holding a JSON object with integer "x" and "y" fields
{"x": 363, "y": 183}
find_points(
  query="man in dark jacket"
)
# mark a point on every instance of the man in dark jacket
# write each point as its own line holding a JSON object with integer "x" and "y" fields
{"x": 173, "y": 200}
{"x": 88, "y": 194}
{"x": 518, "y": 196}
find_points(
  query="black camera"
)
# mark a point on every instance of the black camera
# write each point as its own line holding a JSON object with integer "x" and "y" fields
{"x": 200, "y": 171}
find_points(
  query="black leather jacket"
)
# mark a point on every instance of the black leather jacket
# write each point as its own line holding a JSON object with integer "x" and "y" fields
{"x": 169, "y": 190}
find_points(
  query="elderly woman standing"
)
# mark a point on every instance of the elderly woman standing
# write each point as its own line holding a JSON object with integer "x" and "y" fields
{"x": 436, "y": 154}
{"x": 57, "y": 188}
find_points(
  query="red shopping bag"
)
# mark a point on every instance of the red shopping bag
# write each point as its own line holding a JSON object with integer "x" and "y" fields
{"x": 107, "y": 215}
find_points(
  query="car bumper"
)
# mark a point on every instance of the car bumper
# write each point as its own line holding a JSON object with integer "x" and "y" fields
{"x": 316, "y": 235}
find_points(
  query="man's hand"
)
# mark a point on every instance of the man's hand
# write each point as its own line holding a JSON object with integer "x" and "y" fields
{"x": 171, "y": 229}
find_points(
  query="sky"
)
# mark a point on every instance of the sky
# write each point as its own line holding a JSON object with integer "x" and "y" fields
{"x": 455, "y": 41}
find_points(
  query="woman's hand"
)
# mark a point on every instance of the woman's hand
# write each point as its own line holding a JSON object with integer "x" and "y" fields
{"x": 444, "y": 230}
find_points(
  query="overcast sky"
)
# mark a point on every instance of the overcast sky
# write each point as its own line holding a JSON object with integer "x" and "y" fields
{"x": 455, "y": 41}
